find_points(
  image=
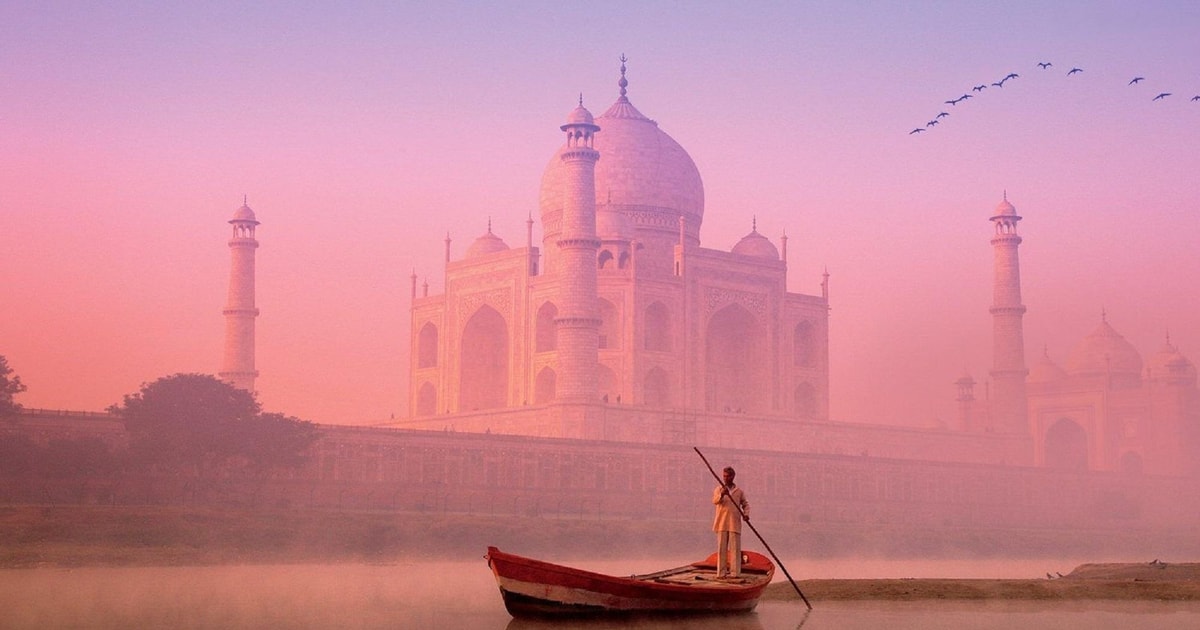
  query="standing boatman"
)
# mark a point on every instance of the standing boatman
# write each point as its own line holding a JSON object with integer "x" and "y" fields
{"x": 727, "y": 497}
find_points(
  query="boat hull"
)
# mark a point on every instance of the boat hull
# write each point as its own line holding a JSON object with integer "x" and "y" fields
{"x": 533, "y": 588}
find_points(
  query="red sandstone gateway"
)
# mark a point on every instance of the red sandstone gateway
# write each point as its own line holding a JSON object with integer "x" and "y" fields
{"x": 532, "y": 588}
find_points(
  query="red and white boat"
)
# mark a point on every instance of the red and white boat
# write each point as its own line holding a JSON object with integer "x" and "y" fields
{"x": 532, "y": 588}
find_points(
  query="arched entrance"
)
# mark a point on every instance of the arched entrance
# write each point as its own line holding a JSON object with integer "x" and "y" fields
{"x": 1066, "y": 446}
{"x": 735, "y": 376}
{"x": 483, "y": 362}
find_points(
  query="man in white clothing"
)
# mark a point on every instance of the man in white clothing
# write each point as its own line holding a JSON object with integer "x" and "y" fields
{"x": 728, "y": 524}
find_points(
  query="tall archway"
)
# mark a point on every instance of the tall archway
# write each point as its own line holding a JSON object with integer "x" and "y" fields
{"x": 658, "y": 328}
{"x": 803, "y": 353}
{"x": 805, "y": 400}
{"x": 426, "y": 400}
{"x": 544, "y": 388}
{"x": 1066, "y": 446}
{"x": 545, "y": 335}
{"x": 610, "y": 325}
{"x": 483, "y": 373}
{"x": 607, "y": 383}
{"x": 656, "y": 388}
{"x": 427, "y": 341}
{"x": 735, "y": 370}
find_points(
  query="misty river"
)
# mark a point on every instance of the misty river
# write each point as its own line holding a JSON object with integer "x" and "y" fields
{"x": 435, "y": 595}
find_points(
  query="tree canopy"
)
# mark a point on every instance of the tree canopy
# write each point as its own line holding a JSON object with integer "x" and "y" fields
{"x": 201, "y": 423}
{"x": 10, "y": 385}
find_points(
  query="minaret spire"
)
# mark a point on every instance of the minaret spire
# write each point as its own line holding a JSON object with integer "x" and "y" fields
{"x": 623, "y": 83}
{"x": 237, "y": 368}
{"x": 1008, "y": 338}
{"x": 578, "y": 323}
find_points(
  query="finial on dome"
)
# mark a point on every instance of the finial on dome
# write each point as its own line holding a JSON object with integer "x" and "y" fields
{"x": 1006, "y": 194}
{"x": 623, "y": 83}
{"x": 581, "y": 99}
{"x": 754, "y": 223}
{"x": 245, "y": 199}
{"x": 489, "y": 225}
{"x": 1103, "y": 314}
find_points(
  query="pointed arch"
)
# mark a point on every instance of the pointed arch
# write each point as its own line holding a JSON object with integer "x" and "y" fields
{"x": 546, "y": 336}
{"x": 483, "y": 379}
{"x": 610, "y": 325}
{"x": 803, "y": 351}
{"x": 804, "y": 400}
{"x": 1066, "y": 446}
{"x": 608, "y": 385}
{"x": 544, "y": 388}
{"x": 658, "y": 328}
{"x": 426, "y": 400}
{"x": 427, "y": 346}
{"x": 604, "y": 258}
{"x": 656, "y": 388}
{"x": 735, "y": 367}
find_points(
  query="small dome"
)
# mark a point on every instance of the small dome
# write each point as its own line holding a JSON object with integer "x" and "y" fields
{"x": 244, "y": 214}
{"x": 757, "y": 246}
{"x": 1006, "y": 209}
{"x": 1170, "y": 363}
{"x": 1104, "y": 351}
{"x": 487, "y": 244}
{"x": 580, "y": 115}
{"x": 1046, "y": 371}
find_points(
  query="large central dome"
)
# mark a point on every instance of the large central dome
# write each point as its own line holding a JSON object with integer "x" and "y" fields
{"x": 643, "y": 173}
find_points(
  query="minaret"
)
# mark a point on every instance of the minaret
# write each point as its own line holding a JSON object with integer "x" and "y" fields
{"x": 578, "y": 322}
{"x": 1010, "y": 409}
{"x": 238, "y": 367}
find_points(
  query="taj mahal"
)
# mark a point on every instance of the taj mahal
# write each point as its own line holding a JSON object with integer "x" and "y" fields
{"x": 620, "y": 326}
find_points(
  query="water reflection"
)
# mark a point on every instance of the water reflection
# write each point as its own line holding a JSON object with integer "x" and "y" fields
{"x": 728, "y": 622}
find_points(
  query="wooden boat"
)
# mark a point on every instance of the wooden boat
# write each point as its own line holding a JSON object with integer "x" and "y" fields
{"x": 533, "y": 588}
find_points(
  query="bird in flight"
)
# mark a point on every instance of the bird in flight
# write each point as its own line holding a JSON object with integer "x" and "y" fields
{"x": 1011, "y": 75}
{"x": 1136, "y": 80}
{"x": 1073, "y": 71}
{"x": 1000, "y": 84}
{"x": 979, "y": 88}
{"x": 917, "y": 130}
{"x": 1161, "y": 95}
{"x": 931, "y": 123}
{"x": 942, "y": 114}
{"x": 1196, "y": 98}
{"x": 1044, "y": 64}
{"x": 954, "y": 101}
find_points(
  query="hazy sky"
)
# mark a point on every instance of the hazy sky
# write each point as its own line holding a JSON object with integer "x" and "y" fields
{"x": 362, "y": 134}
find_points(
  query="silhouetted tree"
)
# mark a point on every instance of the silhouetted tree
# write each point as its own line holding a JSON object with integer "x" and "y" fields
{"x": 199, "y": 423}
{"x": 10, "y": 385}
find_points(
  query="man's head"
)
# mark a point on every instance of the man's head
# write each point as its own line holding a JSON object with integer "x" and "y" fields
{"x": 728, "y": 474}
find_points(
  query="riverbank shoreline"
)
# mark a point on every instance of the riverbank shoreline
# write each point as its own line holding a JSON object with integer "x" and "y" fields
{"x": 66, "y": 537}
{"x": 1153, "y": 581}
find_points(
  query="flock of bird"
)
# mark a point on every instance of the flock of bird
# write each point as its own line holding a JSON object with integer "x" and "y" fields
{"x": 1043, "y": 65}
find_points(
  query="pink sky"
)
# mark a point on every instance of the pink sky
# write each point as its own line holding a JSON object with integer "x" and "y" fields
{"x": 363, "y": 134}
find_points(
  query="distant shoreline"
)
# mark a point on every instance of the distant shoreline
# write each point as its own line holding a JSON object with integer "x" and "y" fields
{"x": 1115, "y": 581}
{"x": 57, "y": 536}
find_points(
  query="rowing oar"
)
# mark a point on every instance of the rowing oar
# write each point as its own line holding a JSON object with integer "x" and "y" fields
{"x": 753, "y": 529}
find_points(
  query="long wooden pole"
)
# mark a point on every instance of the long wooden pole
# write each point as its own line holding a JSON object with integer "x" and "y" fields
{"x": 753, "y": 529}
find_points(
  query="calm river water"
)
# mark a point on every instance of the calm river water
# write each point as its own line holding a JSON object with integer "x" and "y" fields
{"x": 436, "y": 595}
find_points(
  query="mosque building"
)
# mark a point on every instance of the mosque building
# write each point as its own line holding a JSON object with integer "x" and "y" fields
{"x": 621, "y": 326}
{"x": 620, "y": 308}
